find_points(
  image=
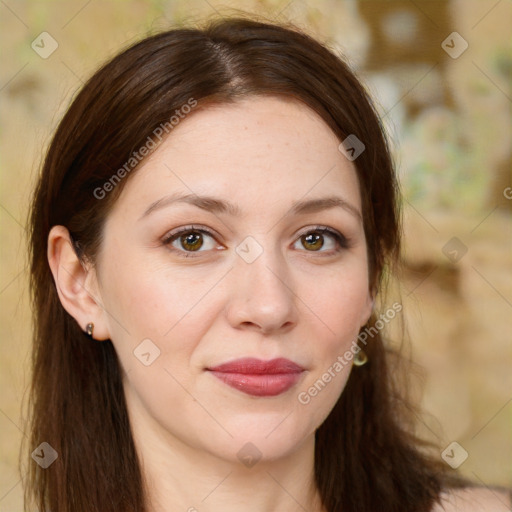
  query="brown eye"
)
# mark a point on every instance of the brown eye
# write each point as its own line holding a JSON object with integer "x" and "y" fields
{"x": 313, "y": 241}
{"x": 323, "y": 240}
{"x": 192, "y": 241}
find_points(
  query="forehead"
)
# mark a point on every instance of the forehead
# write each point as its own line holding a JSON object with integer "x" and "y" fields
{"x": 265, "y": 147}
{"x": 257, "y": 125}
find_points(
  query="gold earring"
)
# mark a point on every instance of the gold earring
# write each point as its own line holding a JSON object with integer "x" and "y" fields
{"x": 89, "y": 329}
{"x": 360, "y": 358}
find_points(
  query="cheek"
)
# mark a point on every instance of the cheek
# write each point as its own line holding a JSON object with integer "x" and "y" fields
{"x": 151, "y": 298}
{"x": 171, "y": 309}
{"x": 338, "y": 306}
{"x": 340, "y": 300}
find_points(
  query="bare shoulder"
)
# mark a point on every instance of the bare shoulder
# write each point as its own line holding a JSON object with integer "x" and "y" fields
{"x": 475, "y": 499}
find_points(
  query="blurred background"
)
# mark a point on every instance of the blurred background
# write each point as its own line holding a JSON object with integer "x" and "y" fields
{"x": 441, "y": 74}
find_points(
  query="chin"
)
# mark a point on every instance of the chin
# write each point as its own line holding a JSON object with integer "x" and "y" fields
{"x": 269, "y": 439}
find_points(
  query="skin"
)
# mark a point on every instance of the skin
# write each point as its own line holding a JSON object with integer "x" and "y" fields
{"x": 262, "y": 154}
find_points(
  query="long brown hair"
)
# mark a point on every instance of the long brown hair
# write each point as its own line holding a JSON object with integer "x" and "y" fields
{"x": 365, "y": 458}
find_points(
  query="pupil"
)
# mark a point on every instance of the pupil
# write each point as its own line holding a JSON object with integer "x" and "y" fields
{"x": 313, "y": 239}
{"x": 191, "y": 240}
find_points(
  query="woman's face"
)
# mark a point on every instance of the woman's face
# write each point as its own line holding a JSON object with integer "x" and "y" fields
{"x": 221, "y": 248}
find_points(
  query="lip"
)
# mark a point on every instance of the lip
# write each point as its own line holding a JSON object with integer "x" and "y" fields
{"x": 257, "y": 377}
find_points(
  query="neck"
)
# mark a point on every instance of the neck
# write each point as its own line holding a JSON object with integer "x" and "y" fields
{"x": 184, "y": 478}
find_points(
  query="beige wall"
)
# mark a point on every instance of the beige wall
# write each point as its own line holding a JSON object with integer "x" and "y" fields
{"x": 450, "y": 119}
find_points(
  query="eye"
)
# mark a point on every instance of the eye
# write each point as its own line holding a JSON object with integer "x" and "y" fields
{"x": 323, "y": 239}
{"x": 190, "y": 240}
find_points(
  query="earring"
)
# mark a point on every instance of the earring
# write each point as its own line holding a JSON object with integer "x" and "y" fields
{"x": 360, "y": 358}
{"x": 89, "y": 329}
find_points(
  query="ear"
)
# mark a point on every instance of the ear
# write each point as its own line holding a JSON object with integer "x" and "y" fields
{"x": 76, "y": 283}
{"x": 368, "y": 308}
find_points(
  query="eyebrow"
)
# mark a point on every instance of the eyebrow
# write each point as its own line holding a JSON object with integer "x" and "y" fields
{"x": 216, "y": 205}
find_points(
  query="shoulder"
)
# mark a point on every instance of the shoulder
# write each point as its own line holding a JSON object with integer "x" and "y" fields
{"x": 475, "y": 499}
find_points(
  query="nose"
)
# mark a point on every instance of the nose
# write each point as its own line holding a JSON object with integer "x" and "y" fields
{"x": 262, "y": 296}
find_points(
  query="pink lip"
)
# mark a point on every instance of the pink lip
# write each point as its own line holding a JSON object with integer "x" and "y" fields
{"x": 259, "y": 378}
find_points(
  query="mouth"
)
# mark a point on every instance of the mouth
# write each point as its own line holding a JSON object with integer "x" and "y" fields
{"x": 257, "y": 377}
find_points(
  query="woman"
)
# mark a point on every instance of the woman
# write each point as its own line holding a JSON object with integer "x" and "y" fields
{"x": 209, "y": 234}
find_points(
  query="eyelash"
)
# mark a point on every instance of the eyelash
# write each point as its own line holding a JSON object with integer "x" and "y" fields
{"x": 341, "y": 240}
